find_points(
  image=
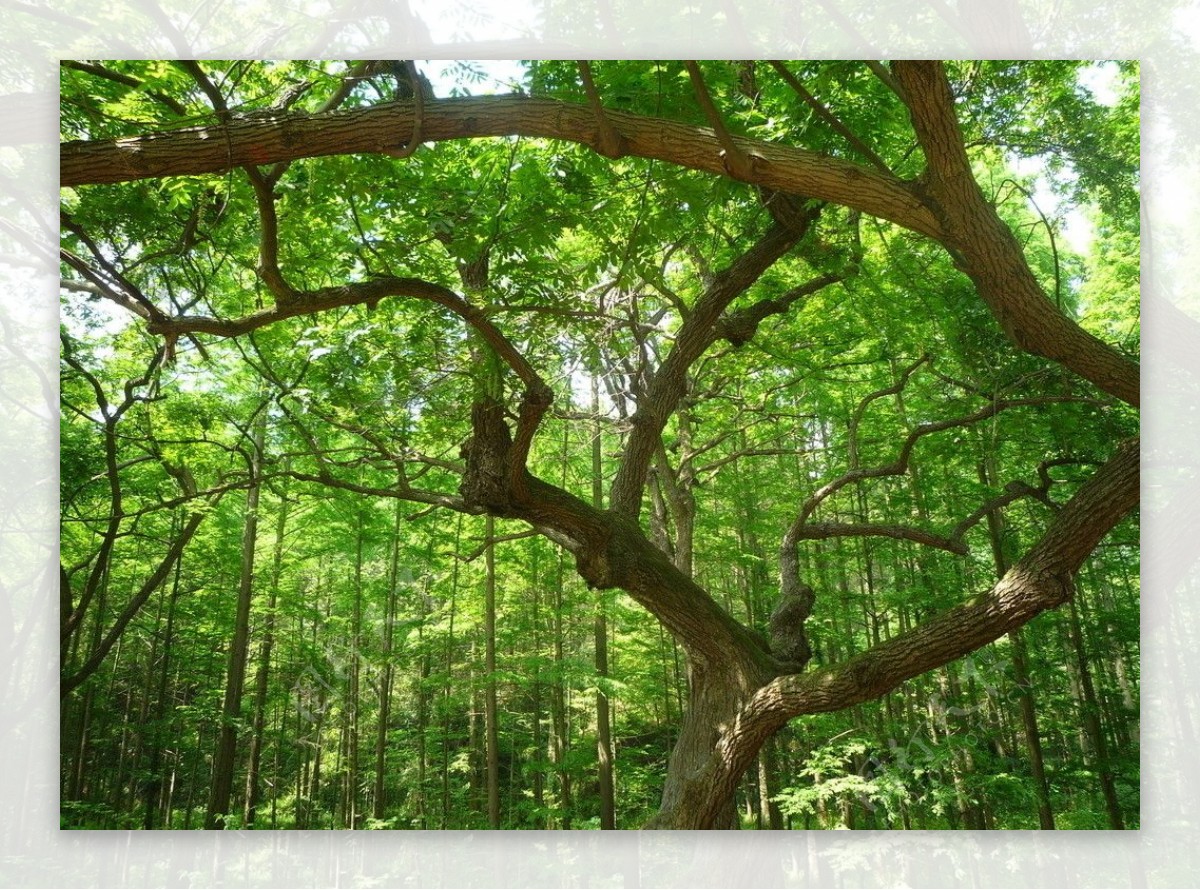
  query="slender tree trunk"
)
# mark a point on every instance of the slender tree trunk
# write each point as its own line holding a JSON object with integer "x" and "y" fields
{"x": 560, "y": 723}
{"x": 768, "y": 811}
{"x": 353, "y": 810}
{"x": 447, "y": 680}
{"x": 83, "y": 726}
{"x": 1033, "y": 741}
{"x": 423, "y": 715}
{"x": 154, "y": 785}
{"x": 604, "y": 750}
{"x": 262, "y": 675}
{"x": 489, "y": 630}
{"x": 386, "y": 676}
{"x": 1091, "y": 724}
{"x": 539, "y": 774}
{"x": 235, "y": 674}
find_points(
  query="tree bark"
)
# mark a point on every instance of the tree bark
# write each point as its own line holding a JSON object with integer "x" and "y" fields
{"x": 491, "y": 732}
{"x": 699, "y": 788}
{"x": 262, "y": 675}
{"x": 604, "y": 749}
{"x": 235, "y": 674}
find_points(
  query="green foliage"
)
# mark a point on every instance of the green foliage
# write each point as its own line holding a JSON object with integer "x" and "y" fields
{"x": 593, "y": 266}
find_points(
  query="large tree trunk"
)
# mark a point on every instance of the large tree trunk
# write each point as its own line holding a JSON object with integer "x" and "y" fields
{"x": 716, "y": 694}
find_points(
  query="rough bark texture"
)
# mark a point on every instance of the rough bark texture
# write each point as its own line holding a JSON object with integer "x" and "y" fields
{"x": 740, "y": 692}
{"x": 271, "y": 137}
{"x": 986, "y": 249}
{"x": 1042, "y": 580}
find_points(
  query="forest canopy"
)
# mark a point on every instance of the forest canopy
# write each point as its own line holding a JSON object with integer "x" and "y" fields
{"x": 620, "y": 444}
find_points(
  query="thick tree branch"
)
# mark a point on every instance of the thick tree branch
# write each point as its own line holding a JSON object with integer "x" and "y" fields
{"x": 273, "y": 137}
{"x": 697, "y": 333}
{"x": 1042, "y": 580}
{"x": 986, "y": 249}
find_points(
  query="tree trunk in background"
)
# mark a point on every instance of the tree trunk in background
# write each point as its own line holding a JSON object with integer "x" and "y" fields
{"x": 154, "y": 785}
{"x": 262, "y": 677}
{"x": 604, "y": 752}
{"x": 1033, "y": 741}
{"x": 353, "y": 810}
{"x": 558, "y": 706}
{"x": 1091, "y": 724}
{"x": 558, "y": 698}
{"x": 423, "y": 714}
{"x": 491, "y": 731}
{"x": 235, "y": 674}
{"x": 539, "y": 774}
{"x": 768, "y": 811}
{"x": 447, "y": 679}
{"x": 386, "y": 676}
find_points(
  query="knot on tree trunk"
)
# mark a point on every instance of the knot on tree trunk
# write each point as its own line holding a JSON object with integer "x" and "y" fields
{"x": 608, "y": 560}
{"x": 487, "y": 480}
{"x": 738, "y": 328}
{"x": 789, "y": 641}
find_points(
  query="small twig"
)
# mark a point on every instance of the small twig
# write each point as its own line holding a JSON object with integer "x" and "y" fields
{"x": 737, "y": 163}
{"x": 610, "y": 143}
{"x": 828, "y": 116}
{"x": 406, "y": 151}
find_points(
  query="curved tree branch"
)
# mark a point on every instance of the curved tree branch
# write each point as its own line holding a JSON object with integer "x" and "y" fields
{"x": 271, "y": 137}
{"x": 986, "y": 249}
{"x": 1042, "y": 580}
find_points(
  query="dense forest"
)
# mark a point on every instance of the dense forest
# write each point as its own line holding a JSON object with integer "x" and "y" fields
{"x": 599, "y": 445}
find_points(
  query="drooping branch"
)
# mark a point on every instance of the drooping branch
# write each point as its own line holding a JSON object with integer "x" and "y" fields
{"x": 861, "y": 408}
{"x": 900, "y": 465}
{"x": 819, "y": 531}
{"x": 414, "y": 140}
{"x": 741, "y": 326}
{"x": 955, "y": 542}
{"x": 97, "y": 70}
{"x": 107, "y": 278}
{"x": 796, "y": 599}
{"x": 357, "y": 293}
